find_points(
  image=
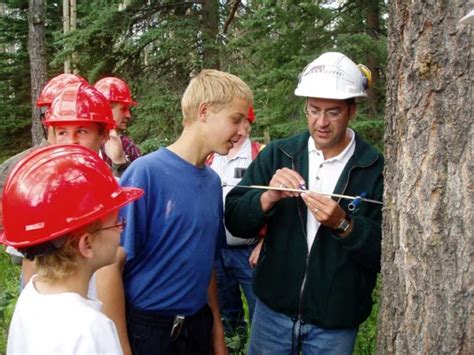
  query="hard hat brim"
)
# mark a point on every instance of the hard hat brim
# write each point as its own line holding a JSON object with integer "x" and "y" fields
{"x": 57, "y": 122}
{"x": 125, "y": 196}
{"x": 328, "y": 95}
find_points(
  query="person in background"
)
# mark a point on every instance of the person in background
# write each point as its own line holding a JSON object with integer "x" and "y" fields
{"x": 320, "y": 258}
{"x": 50, "y": 91}
{"x": 173, "y": 235}
{"x": 69, "y": 225}
{"x": 120, "y": 98}
{"x": 233, "y": 267}
{"x": 80, "y": 115}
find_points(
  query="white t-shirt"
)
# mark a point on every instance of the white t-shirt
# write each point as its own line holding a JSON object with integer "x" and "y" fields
{"x": 226, "y": 169}
{"x": 64, "y": 323}
{"x": 323, "y": 176}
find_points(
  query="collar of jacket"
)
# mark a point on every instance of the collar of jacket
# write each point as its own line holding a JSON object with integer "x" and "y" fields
{"x": 296, "y": 149}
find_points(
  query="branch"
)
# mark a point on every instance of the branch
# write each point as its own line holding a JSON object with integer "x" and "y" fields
{"x": 231, "y": 15}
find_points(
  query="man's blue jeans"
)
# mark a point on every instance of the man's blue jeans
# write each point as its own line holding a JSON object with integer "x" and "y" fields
{"x": 277, "y": 334}
{"x": 233, "y": 270}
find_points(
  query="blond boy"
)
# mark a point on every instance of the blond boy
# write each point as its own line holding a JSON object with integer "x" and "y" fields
{"x": 169, "y": 247}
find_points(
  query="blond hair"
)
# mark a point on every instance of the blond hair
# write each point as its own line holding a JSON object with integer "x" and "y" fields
{"x": 63, "y": 261}
{"x": 214, "y": 87}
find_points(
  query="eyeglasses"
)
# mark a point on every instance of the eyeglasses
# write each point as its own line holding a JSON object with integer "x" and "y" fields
{"x": 331, "y": 115}
{"x": 121, "y": 224}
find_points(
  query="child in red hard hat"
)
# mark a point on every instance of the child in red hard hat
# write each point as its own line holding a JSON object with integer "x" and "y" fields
{"x": 69, "y": 226}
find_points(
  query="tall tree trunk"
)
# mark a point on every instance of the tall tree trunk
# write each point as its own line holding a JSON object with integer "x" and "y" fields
{"x": 427, "y": 268}
{"x": 210, "y": 21}
{"x": 73, "y": 26}
{"x": 66, "y": 30}
{"x": 373, "y": 26}
{"x": 37, "y": 53}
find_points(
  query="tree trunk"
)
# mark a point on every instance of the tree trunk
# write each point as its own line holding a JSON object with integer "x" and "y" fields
{"x": 427, "y": 269}
{"x": 66, "y": 30}
{"x": 210, "y": 22}
{"x": 373, "y": 26}
{"x": 73, "y": 26}
{"x": 37, "y": 53}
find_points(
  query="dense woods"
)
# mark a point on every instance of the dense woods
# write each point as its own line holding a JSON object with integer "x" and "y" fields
{"x": 157, "y": 46}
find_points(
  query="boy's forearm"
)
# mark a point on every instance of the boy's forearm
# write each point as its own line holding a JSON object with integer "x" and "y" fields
{"x": 218, "y": 339}
{"x": 111, "y": 293}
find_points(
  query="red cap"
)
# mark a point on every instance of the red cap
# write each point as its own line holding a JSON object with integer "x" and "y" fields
{"x": 251, "y": 117}
{"x": 80, "y": 102}
{"x": 56, "y": 190}
{"x": 115, "y": 90}
{"x": 56, "y": 86}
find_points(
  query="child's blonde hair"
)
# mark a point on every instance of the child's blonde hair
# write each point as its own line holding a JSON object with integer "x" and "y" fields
{"x": 62, "y": 262}
{"x": 214, "y": 87}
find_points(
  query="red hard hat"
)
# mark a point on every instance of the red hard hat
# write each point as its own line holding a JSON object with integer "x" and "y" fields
{"x": 115, "y": 90}
{"x": 251, "y": 117}
{"x": 55, "y": 86}
{"x": 56, "y": 190}
{"x": 80, "y": 102}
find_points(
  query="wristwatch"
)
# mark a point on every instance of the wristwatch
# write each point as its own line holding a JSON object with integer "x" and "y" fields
{"x": 343, "y": 226}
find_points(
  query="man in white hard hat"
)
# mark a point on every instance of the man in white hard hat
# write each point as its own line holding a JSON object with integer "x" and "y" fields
{"x": 320, "y": 260}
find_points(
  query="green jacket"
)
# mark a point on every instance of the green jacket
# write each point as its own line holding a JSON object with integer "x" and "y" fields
{"x": 331, "y": 285}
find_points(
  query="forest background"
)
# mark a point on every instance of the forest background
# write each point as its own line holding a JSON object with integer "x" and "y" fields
{"x": 156, "y": 46}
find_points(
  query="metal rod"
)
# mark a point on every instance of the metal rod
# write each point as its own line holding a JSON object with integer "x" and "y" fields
{"x": 262, "y": 187}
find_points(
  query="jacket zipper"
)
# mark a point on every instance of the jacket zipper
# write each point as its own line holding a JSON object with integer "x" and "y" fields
{"x": 303, "y": 284}
{"x": 305, "y": 272}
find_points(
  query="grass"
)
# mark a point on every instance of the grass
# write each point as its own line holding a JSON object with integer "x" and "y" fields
{"x": 9, "y": 288}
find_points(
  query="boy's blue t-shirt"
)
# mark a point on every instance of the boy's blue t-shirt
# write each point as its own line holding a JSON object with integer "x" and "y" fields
{"x": 172, "y": 233}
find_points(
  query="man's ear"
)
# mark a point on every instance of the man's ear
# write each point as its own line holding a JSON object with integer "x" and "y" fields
{"x": 203, "y": 111}
{"x": 352, "y": 111}
{"x": 85, "y": 245}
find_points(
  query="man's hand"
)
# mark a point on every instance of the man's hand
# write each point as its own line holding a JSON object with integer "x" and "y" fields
{"x": 253, "y": 259}
{"x": 114, "y": 148}
{"x": 324, "y": 209}
{"x": 282, "y": 178}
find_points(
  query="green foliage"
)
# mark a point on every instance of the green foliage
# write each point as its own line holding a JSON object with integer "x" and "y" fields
{"x": 366, "y": 341}
{"x": 158, "y": 45}
{"x": 15, "y": 102}
{"x": 9, "y": 285}
{"x": 15, "y": 95}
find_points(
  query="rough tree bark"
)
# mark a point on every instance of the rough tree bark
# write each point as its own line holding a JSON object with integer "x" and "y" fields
{"x": 427, "y": 269}
{"x": 37, "y": 53}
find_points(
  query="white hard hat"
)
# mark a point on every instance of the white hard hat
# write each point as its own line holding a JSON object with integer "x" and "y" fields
{"x": 468, "y": 19}
{"x": 333, "y": 76}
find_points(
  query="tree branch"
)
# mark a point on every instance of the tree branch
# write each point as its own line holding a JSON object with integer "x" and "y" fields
{"x": 229, "y": 19}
